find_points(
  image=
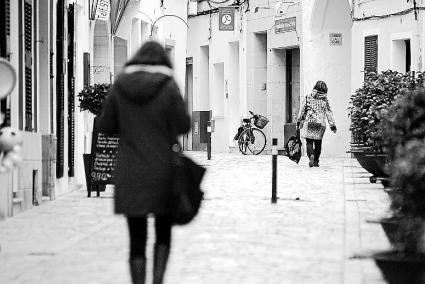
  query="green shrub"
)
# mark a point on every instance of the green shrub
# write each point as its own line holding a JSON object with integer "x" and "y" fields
{"x": 375, "y": 96}
{"x": 408, "y": 174}
{"x": 404, "y": 120}
{"x": 91, "y": 98}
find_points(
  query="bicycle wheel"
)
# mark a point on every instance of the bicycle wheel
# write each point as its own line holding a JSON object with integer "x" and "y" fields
{"x": 244, "y": 137}
{"x": 252, "y": 141}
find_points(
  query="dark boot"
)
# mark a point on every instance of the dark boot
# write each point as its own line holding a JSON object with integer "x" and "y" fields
{"x": 138, "y": 270}
{"x": 316, "y": 164}
{"x": 311, "y": 161}
{"x": 160, "y": 260}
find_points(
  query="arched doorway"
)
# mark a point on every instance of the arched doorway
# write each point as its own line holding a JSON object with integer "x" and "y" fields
{"x": 327, "y": 57}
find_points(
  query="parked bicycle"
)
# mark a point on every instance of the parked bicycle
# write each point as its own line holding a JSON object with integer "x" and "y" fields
{"x": 251, "y": 140}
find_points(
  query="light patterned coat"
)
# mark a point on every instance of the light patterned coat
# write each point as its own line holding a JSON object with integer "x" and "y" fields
{"x": 315, "y": 109}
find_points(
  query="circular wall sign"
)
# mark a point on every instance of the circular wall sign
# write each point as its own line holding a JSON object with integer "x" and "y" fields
{"x": 8, "y": 78}
{"x": 226, "y": 19}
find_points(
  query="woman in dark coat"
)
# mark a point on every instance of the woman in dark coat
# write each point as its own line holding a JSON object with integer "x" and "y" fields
{"x": 146, "y": 109}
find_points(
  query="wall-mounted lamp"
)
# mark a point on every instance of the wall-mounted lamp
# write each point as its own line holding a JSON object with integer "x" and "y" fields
{"x": 281, "y": 7}
{"x": 257, "y": 8}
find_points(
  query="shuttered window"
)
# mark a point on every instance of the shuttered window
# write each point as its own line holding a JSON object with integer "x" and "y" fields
{"x": 7, "y": 4}
{"x": 371, "y": 54}
{"x": 28, "y": 65}
{"x": 71, "y": 92}
{"x": 4, "y": 28}
{"x": 4, "y": 52}
{"x": 60, "y": 88}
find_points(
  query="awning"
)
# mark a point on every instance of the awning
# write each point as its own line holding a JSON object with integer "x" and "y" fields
{"x": 117, "y": 9}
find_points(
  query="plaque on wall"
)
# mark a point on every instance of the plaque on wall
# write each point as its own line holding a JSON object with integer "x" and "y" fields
{"x": 335, "y": 39}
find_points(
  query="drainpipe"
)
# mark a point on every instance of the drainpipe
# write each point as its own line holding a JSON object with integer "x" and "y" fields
{"x": 420, "y": 31}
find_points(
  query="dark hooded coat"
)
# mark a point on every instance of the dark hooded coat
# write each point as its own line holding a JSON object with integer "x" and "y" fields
{"x": 146, "y": 109}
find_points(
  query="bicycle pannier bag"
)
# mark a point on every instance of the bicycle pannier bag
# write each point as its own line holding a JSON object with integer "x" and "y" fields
{"x": 260, "y": 121}
{"x": 186, "y": 192}
{"x": 240, "y": 130}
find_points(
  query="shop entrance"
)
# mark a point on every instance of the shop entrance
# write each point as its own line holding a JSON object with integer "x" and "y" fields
{"x": 188, "y": 99}
{"x": 292, "y": 90}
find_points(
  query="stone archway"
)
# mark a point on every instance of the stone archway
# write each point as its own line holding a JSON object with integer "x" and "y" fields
{"x": 327, "y": 56}
{"x": 330, "y": 14}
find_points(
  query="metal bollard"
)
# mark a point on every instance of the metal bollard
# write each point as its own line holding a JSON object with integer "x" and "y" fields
{"x": 209, "y": 140}
{"x": 274, "y": 170}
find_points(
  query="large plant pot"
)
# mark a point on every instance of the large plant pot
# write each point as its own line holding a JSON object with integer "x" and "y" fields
{"x": 393, "y": 193}
{"x": 371, "y": 162}
{"x": 391, "y": 227}
{"x": 400, "y": 268}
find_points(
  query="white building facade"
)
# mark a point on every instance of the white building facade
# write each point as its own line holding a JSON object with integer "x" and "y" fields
{"x": 111, "y": 41}
{"x": 57, "y": 47}
{"x": 387, "y": 34}
{"x": 330, "y": 40}
{"x": 281, "y": 50}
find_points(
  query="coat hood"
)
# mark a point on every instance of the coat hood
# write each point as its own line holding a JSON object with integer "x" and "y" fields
{"x": 141, "y": 83}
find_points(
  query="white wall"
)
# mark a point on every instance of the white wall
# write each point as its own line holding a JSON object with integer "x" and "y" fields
{"x": 321, "y": 61}
{"x": 136, "y": 25}
{"x": 83, "y": 120}
{"x": 221, "y": 67}
{"x": 388, "y": 30}
{"x": 266, "y": 65}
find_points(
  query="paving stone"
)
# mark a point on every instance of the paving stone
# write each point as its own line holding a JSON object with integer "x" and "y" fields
{"x": 318, "y": 223}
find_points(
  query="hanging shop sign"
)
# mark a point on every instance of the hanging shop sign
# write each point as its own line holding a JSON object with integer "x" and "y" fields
{"x": 335, "y": 39}
{"x": 102, "y": 10}
{"x": 285, "y": 25}
{"x": 226, "y": 17}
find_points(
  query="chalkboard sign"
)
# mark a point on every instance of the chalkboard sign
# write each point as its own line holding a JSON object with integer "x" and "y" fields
{"x": 104, "y": 151}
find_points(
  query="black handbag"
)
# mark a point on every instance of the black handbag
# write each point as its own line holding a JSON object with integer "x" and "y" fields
{"x": 293, "y": 147}
{"x": 186, "y": 194}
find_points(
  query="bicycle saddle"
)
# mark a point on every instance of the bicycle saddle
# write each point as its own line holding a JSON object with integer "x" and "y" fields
{"x": 246, "y": 120}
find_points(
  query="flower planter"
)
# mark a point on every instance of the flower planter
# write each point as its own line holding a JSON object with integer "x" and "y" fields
{"x": 391, "y": 227}
{"x": 371, "y": 162}
{"x": 393, "y": 193}
{"x": 399, "y": 267}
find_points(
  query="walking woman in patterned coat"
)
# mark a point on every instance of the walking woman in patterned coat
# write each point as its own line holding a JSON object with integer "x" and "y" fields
{"x": 314, "y": 111}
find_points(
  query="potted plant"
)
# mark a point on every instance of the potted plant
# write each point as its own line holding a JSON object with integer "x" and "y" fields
{"x": 91, "y": 99}
{"x": 403, "y": 136}
{"x": 366, "y": 106}
{"x": 406, "y": 263}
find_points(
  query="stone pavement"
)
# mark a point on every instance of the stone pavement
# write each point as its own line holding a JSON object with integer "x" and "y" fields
{"x": 238, "y": 237}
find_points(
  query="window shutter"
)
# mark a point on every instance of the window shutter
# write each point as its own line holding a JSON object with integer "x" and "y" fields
{"x": 7, "y": 4}
{"x": 4, "y": 52}
{"x": 60, "y": 88}
{"x": 371, "y": 54}
{"x": 86, "y": 68}
{"x": 71, "y": 92}
{"x": 28, "y": 64}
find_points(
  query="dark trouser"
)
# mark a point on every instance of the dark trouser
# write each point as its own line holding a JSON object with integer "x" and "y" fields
{"x": 314, "y": 147}
{"x": 138, "y": 234}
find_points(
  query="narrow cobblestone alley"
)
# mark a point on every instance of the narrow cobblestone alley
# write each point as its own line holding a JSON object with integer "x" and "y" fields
{"x": 239, "y": 236}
